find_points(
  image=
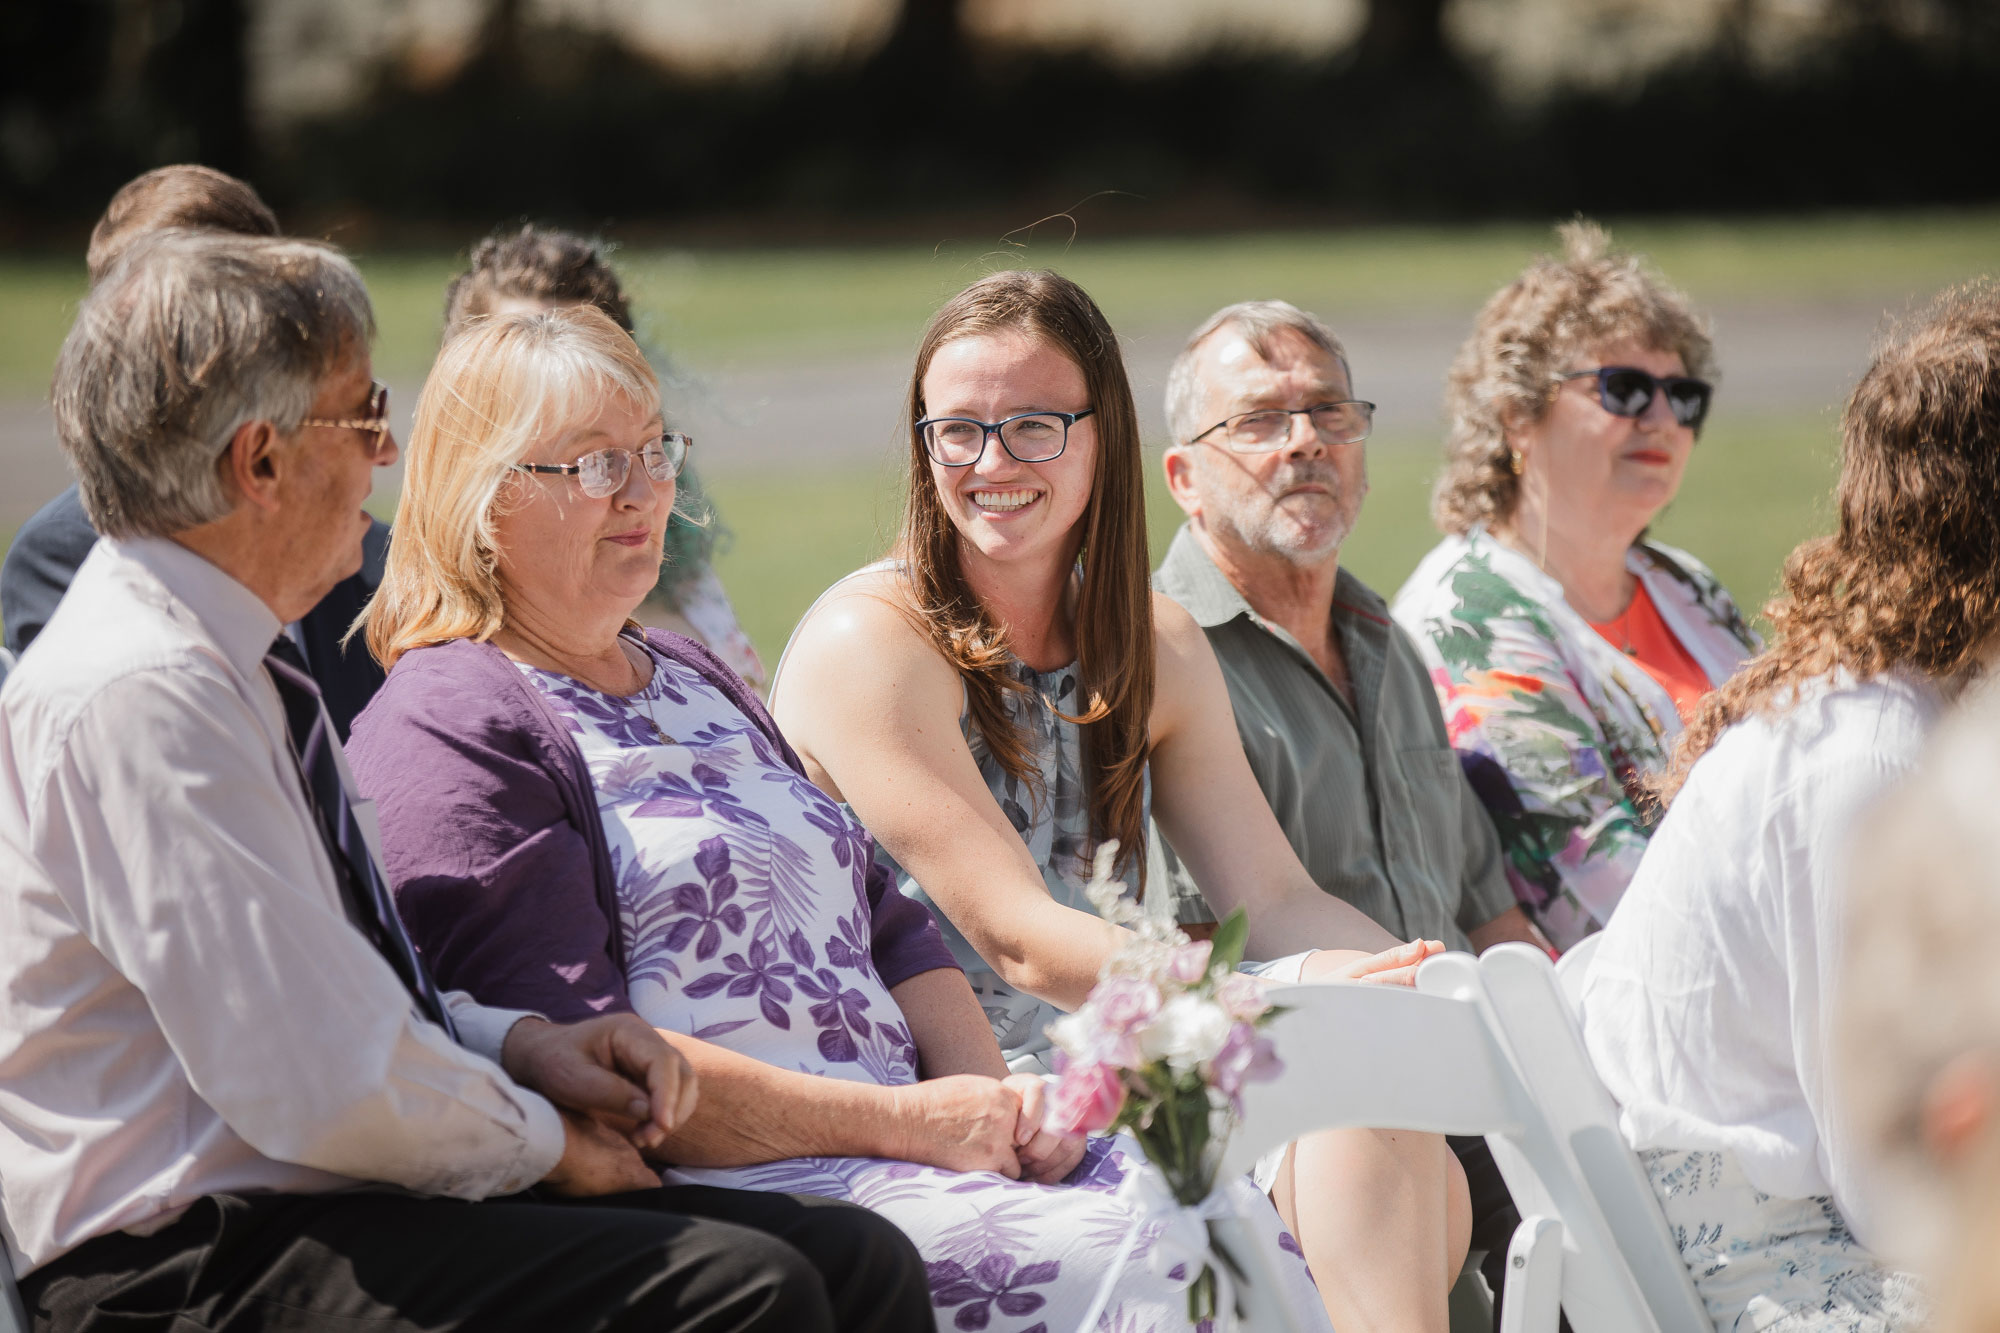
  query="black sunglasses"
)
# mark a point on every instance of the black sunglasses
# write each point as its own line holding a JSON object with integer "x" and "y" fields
{"x": 1627, "y": 391}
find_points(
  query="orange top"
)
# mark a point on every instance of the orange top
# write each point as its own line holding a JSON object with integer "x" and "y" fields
{"x": 1645, "y": 638}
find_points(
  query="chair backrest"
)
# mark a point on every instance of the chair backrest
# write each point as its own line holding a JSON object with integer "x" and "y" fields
{"x": 13, "y": 1318}
{"x": 1573, "y": 964}
{"x": 1538, "y": 1025}
{"x": 1384, "y": 1057}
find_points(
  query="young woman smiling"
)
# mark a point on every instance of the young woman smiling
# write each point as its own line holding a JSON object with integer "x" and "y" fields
{"x": 1026, "y": 698}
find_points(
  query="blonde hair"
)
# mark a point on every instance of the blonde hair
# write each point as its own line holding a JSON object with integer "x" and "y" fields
{"x": 496, "y": 391}
{"x": 1556, "y": 309}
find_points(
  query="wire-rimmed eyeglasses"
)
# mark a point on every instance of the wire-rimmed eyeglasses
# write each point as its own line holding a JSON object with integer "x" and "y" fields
{"x": 376, "y": 423}
{"x": 1344, "y": 422}
{"x": 1028, "y": 437}
{"x": 604, "y": 472}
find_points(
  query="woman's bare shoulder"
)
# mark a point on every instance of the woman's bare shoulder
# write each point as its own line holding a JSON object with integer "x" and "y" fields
{"x": 862, "y": 645}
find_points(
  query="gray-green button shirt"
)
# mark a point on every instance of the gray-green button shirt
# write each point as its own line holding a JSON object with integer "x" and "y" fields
{"x": 1371, "y": 796}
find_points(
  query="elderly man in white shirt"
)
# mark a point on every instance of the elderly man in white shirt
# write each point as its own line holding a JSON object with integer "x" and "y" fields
{"x": 228, "y": 1091}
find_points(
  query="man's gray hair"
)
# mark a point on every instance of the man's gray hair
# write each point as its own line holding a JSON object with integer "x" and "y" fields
{"x": 1258, "y": 322}
{"x": 191, "y": 336}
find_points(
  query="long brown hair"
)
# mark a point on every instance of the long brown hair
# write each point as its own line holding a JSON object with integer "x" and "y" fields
{"x": 1911, "y": 578}
{"x": 1114, "y": 617}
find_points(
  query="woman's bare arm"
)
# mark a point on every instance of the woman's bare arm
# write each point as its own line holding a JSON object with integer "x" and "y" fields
{"x": 1208, "y": 803}
{"x": 947, "y": 1025}
{"x": 885, "y": 737}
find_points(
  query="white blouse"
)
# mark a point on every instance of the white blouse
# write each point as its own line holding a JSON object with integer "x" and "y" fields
{"x": 1706, "y": 1006}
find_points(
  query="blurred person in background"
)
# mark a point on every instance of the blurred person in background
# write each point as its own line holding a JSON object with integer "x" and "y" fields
{"x": 581, "y": 818}
{"x": 1333, "y": 706}
{"x": 234, "y": 1097}
{"x": 1707, "y": 1007}
{"x": 1569, "y": 650}
{"x": 51, "y": 545}
{"x": 1005, "y": 695}
{"x": 1917, "y": 1048}
{"x": 540, "y": 268}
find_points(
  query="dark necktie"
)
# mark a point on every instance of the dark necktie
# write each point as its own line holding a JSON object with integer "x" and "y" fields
{"x": 367, "y": 899}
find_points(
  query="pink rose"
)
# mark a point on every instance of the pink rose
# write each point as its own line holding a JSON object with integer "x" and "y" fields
{"x": 1123, "y": 1004}
{"x": 1087, "y": 1098}
{"x": 1241, "y": 997}
{"x": 1189, "y": 963}
{"x": 1245, "y": 1057}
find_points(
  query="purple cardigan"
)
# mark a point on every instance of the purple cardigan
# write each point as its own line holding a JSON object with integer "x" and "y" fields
{"x": 494, "y": 844}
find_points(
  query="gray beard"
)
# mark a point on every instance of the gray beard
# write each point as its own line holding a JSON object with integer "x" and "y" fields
{"x": 1273, "y": 536}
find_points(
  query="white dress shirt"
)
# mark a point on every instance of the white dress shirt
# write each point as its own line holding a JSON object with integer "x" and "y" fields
{"x": 1706, "y": 1006}
{"x": 184, "y": 1008}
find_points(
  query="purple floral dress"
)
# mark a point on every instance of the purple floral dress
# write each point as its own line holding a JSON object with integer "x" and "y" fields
{"x": 743, "y": 902}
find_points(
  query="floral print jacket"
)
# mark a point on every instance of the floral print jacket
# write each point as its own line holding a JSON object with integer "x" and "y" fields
{"x": 1555, "y": 727}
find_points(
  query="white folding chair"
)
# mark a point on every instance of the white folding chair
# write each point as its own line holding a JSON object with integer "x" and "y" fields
{"x": 1622, "y": 1228}
{"x": 13, "y": 1318}
{"x": 1436, "y": 1060}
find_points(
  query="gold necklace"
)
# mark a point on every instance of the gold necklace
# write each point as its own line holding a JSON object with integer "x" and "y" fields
{"x": 664, "y": 738}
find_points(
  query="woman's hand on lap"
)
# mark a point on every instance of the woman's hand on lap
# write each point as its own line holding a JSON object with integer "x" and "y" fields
{"x": 1046, "y": 1155}
{"x": 962, "y": 1122}
{"x": 1391, "y": 967}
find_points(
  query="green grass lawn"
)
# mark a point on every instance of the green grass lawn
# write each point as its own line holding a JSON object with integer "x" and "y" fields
{"x": 1755, "y": 489}
{"x": 712, "y": 306}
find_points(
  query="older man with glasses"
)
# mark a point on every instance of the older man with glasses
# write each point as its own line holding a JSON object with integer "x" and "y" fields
{"x": 1334, "y": 707}
{"x": 234, "y": 1098}
{"x": 46, "y": 553}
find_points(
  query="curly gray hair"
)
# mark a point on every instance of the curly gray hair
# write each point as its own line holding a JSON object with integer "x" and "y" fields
{"x": 189, "y": 337}
{"x": 1556, "y": 309}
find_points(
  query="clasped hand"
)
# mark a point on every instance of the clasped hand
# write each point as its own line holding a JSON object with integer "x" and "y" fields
{"x": 966, "y": 1122}
{"x": 619, "y": 1087}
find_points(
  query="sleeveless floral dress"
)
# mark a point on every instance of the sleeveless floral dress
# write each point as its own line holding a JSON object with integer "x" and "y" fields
{"x": 743, "y": 905}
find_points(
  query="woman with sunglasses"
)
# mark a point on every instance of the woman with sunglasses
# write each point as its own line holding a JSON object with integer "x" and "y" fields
{"x": 1005, "y": 695}
{"x": 578, "y": 816}
{"x": 1568, "y": 650}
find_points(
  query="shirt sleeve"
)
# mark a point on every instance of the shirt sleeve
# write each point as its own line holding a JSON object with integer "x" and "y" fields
{"x": 1538, "y": 758}
{"x": 185, "y": 852}
{"x": 903, "y": 939}
{"x": 492, "y": 878}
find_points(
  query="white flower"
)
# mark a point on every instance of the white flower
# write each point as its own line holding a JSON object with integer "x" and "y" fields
{"x": 1189, "y": 1030}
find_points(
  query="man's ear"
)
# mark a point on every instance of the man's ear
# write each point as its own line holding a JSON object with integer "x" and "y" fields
{"x": 251, "y": 463}
{"x": 1179, "y": 463}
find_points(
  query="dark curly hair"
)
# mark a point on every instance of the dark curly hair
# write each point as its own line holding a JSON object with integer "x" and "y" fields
{"x": 1911, "y": 577}
{"x": 534, "y": 264}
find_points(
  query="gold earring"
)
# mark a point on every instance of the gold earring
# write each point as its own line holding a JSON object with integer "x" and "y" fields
{"x": 1514, "y": 461}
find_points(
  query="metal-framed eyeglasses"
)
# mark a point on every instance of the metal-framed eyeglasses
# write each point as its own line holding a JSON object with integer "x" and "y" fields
{"x": 1268, "y": 428}
{"x": 375, "y": 424}
{"x": 1028, "y": 437}
{"x": 604, "y": 472}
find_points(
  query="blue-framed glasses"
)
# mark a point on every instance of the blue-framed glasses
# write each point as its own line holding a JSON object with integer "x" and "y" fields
{"x": 1030, "y": 437}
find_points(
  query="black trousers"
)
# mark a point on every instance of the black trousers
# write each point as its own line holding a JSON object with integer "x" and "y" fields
{"x": 659, "y": 1261}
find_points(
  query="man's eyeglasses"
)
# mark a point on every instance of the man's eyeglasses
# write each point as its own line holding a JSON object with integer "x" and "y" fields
{"x": 1627, "y": 391}
{"x": 375, "y": 424}
{"x": 604, "y": 472}
{"x": 1030, "y": 437}
{"x": 1346, "y": 422}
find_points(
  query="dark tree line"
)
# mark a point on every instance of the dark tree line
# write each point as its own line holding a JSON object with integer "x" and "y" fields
{"x": 1900, "y": 105}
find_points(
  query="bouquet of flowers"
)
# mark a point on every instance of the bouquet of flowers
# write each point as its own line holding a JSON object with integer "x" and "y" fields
{"x": 1162, "y": 1048}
